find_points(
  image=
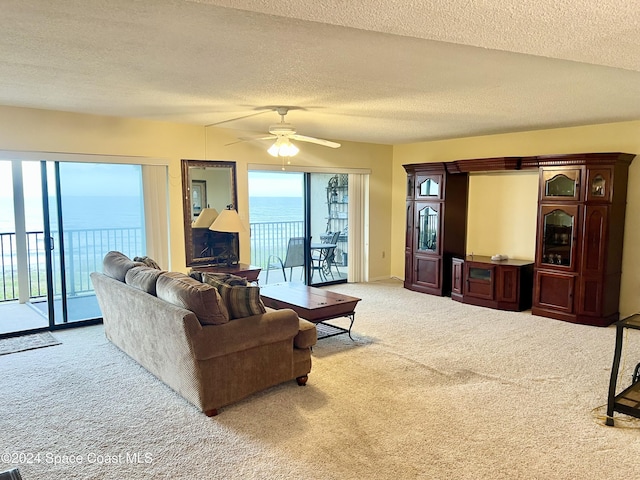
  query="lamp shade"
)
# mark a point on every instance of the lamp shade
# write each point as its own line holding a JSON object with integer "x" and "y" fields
{"x": 228, "y": 221}
{"x": 206, "y": 218}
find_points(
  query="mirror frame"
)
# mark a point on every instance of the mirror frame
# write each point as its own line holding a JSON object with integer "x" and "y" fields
{"x": 186, "y": 204}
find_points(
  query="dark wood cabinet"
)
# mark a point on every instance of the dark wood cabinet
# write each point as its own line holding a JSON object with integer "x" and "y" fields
{"x": 580, "y": 237}
{"x": 436, "y": 216}
{"x": 504, "y": 284}
{"x": 457, "y": 276}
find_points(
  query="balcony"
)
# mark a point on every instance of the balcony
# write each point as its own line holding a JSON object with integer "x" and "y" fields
{"x": 85, "y": 249}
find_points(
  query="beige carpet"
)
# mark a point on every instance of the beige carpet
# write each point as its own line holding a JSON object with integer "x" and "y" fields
{"x": 430, "y": 389}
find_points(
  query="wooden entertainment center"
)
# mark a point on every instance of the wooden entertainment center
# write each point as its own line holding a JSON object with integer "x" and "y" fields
{"x": 579, "y": 239}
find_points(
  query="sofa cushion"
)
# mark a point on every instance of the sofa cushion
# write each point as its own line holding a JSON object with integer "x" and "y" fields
{"x": 149, "y": 262}
{"x": 143, "y": 278}
{"x": 241, "y": 301}
{"x": 117, "y": 264}
{"x": 186, "y": 292}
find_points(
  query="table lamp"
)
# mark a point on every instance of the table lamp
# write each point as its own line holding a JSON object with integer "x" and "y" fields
{"x": 228, "y": 221}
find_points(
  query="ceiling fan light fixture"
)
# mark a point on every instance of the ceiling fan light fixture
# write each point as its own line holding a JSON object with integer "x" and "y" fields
{"x": 283, "y": 148}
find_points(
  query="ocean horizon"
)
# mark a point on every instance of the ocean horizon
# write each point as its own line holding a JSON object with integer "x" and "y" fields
{"x": 99, "y": 212}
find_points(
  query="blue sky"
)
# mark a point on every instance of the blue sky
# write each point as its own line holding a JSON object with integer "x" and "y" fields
{"x": 275, "y": 184}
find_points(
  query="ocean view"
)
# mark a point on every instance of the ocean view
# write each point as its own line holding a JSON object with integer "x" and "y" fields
{"x": 112, "y": 212}
{"x": 90, "y": 212}
{"x": 276, "y": 209}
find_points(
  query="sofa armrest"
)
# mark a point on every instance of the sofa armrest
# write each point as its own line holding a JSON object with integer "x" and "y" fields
{"x": 244, "y": 333}
{"x": 307, "y": 335}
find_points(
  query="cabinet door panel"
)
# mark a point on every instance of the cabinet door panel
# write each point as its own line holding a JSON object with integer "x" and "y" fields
{"x": 408, "y": 268}
{"x": 479, "y": 280}
{"x": 507, "y": 284}
{"x": 428, "y": 186}
{"x": 427, "y": 227}
{"x": 554, "y": 290}
{"x": 558, "y": 237}
{"x": 409, "y": 232}
{"x": 427, "y": 271}
{"x": 598, "y": 186}
{"x": 594, "y": 239}
{"x": 456, "y": 275}
{"x": 590, "y": 296}
{"x": 560, "y": 184}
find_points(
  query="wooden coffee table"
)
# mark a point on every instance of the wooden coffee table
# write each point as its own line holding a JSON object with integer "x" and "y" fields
{"x": 314, "y": 304}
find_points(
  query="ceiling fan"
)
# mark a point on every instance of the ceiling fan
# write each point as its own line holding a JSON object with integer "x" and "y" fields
{"x": 283, "y": 133}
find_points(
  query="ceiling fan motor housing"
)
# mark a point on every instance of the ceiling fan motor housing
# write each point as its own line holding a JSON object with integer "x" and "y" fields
{"x": 282, "y": 129}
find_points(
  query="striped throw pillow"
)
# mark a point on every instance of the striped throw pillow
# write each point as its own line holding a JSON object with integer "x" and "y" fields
{"x": 241, "y": 301}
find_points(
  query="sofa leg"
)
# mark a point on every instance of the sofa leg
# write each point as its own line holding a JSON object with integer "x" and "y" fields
{"x": 211, "y": 413}
{"x": 302, "y": 381}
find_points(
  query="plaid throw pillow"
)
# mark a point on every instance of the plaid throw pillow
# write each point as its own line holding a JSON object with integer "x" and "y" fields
{"x": 240, "y": 300}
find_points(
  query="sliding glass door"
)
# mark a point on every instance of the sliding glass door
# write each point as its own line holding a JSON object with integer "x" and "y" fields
{"x": 92, "y": 209}
{"x": 67, "y": 216}
{"x": 277, "y": 221}
{"x": 299, "y": 226}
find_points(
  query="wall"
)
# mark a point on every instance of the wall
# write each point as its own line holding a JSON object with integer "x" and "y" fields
{"x": 614, "y": 137}
{"x": 502, "y": 214}
{"x": 32, "y": 130}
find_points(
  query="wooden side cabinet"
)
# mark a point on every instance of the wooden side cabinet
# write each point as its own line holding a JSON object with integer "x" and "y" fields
{"x": 580, "y": 233}
{"x": 436, "y": 219}
{"x": 503, "y": 285}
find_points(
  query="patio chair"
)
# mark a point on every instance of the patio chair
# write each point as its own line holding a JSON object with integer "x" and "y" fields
{"x": 293, "y": 258}
{"x": 322, "y": 259}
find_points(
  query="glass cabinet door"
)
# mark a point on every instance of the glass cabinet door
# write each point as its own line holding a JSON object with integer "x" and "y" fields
{"x": 560, "y": 184}
{"x": 558, "y": 232}
{"x": 599, "y": 184}
{"x": 427, "y": 225}
{"x": 428, "y": 186}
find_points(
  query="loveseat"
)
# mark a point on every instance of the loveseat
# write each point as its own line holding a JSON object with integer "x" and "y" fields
{"x": 180, "y": 330}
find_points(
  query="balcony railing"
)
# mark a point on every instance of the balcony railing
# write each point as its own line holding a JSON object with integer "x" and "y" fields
{"x": 84, "y": 251}
{"x": 272, "y": 238}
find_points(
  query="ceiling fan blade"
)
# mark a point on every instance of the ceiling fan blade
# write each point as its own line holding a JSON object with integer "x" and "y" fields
{"x": 319, "y": 141}
{"x": 249, "y": 139}
{"x": 237, "y": 118}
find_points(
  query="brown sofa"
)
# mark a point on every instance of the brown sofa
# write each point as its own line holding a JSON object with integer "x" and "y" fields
{"x": 212, "y": 364}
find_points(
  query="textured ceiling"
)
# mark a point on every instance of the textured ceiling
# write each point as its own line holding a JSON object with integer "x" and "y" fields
{"x": 381, "y": 71}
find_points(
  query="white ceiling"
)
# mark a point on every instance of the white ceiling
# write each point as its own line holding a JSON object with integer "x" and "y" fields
{"x": 381, "y": 71}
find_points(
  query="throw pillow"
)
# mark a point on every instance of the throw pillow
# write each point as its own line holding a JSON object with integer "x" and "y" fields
{"x": 117, "y": 264}
{"x": 186, "y": 292}
{"x": 143, "y": 278}
{"x": 241, "y": 301}
{"x": 149, "y": 262}
{"x": 226, "y": 278}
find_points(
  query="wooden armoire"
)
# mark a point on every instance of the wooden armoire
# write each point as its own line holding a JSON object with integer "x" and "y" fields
{"x": 436, "y": 213}
{"x": 579, "y": 239}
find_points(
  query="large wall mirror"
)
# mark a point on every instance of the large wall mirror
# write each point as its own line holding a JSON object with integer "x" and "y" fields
{"x": 208, "y": 187}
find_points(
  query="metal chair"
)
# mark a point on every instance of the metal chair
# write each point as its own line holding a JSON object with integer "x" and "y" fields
{"x": 293, "y": 258}
{"x": 323, "y": 259}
